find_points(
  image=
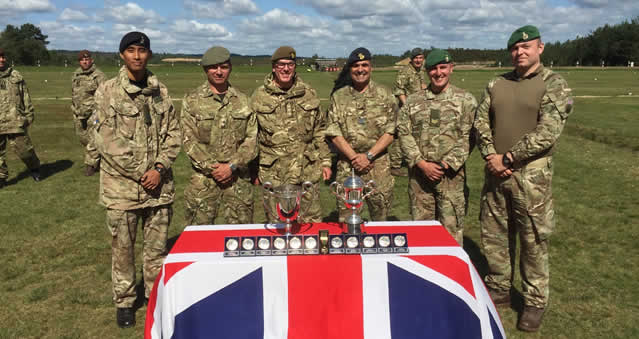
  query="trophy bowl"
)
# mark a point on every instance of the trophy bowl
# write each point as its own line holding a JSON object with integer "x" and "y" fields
{"x": 285, "y": 200}
{"x": 352, "y": 194}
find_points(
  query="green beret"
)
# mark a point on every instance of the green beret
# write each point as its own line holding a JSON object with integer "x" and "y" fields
{"x": 523, "y": 34}
{"x": 415, "y": 52}
{"x": 284, "y": 52}
{"x": 215, "y": 55}
{"x": 436, "y": 57}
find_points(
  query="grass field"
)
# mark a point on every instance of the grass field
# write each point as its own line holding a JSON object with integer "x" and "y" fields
{"x": 55, "y": 280}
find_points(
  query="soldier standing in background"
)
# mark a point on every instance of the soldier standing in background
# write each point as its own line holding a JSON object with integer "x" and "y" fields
{"x": 84, "y": 83}
{"x": 219, "y": 133}
{"x": 291, "y": 130}
{"x": 362, "y": 119}
{"x": 137, "y": 135}
{"x": 16, "y": 115}
{"x": 409, "y": 80}
{"x": 519, "y": 119}
{"x": 434, "y": 129}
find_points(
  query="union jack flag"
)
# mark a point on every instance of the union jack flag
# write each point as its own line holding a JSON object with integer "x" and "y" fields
{"x": 432, "y": 292}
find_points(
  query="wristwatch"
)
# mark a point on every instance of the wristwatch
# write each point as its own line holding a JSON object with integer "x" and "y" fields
{"x": 232, "y": 166}
{"x": 160, "y": 170}
{"x": 505, "y": 160}
{"x": 370, "y": 156}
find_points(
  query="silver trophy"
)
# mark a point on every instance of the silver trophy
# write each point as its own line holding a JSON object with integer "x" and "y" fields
{"x": 352, "y": 194}
{"x": 286, "y": 201}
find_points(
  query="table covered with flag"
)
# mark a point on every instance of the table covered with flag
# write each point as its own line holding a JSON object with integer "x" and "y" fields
{"x": 431, "y": 292}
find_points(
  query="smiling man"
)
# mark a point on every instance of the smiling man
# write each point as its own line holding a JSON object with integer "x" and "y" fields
{"x": 519, "y": 119}
{"x": 362, "y": 119}
{"x": 219, "y": 133}
{"x": 291, "y": 132}
{"x": 434, "y": 131}
{"x": 84, "y": 83}
{"x": 137, "y": 135}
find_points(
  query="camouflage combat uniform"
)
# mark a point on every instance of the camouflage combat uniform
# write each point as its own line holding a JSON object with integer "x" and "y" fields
{"x": 16, "y": 115}
{"x": 135, "y": 128}
{"x": 291, "y": 139}
{"x": 524, "y": 116}
{"x": 362, "y": 118}
{"x": 408, "y": 81}
{"x": 83, "y": 86}
{"x": 436, "y": 128}
{"x": 218, "y": 130}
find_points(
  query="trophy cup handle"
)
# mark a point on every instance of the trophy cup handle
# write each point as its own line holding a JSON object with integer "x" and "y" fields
{"x": 307, "y": 186}
{"x": 338, "y": 190}
{"x": 370, "y": 187}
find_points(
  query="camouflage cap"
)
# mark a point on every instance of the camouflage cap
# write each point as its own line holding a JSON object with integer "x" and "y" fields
{"x": 84, "y": 54}
{"x": 437, "y": 56}
{"x": 522, "y": 34}
{"x": 215, "y": 55}
{"x": 134, "y": 38}
{"x": 415, "y": 52}
{"x": 284, "y": 52}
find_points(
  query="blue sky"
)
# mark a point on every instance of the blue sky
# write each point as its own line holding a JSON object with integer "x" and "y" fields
{"x": 325, "y": 27}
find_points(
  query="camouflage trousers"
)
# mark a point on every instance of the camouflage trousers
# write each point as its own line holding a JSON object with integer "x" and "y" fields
{"x": 445, "y": 201}
{"x": 379, "y": 203}
{"x": 520, "y": 205}
{"x": 123, "y": 228}
{"x": 204, "y": 198}
{"x": 395, "y": 154}
{"x": 83, "y": 131}
{"x": 21, "y": 144}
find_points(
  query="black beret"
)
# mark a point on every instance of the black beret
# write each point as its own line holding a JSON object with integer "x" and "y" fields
{"x": 358, "y": 54}
{"x": 1, "y": 51}
{"x": 134, "y": 38}
{"x": 84, "y": 54}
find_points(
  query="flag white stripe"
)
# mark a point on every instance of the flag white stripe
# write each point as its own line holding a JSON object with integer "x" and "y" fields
{"x": 275, "y": 291}
{"x": 375, "y": 293}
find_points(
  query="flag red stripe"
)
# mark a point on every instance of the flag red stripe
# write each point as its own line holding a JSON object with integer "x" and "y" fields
{"x": 318, "y": 312}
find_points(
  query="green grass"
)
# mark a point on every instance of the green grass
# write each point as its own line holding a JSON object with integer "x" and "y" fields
{"x": 55, "y": 277}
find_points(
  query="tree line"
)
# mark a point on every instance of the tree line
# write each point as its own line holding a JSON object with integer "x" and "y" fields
{"x": 613, "y": 45}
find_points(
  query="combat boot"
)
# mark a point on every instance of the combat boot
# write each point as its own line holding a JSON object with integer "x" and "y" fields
{"x": 35, "y": 174}
{"x": 90, "y": 170}
{"x": 530, "y": 320}
{"x": 499, "y": 298}
{"x": 3, "y": 182}
{"x": 125, "y": 317}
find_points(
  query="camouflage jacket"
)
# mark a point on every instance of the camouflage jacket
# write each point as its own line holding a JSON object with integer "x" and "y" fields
{"x": 215, "y": 130}
{"x": 437, "y": 127}
{"x": 409, "y": 81}
{"x": 83, "y": 86}
{"x": 362, "y": 118}
{"x": 16, "y": 110}
{"x": 290, "y": 124}
{"x": 134, "y": 129}
{"x": 556, "y": 106}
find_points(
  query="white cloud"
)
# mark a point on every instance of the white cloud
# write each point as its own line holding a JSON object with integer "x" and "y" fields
{"x": 194, "y": 28}
{"x": 26, "y": 6}
{"x": 220, "y": 9}
{"x": 69, "y": 14}
{"x": 132, "y": 13}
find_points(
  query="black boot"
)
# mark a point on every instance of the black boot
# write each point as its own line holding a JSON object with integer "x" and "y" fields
{"x": 125, "y": 317}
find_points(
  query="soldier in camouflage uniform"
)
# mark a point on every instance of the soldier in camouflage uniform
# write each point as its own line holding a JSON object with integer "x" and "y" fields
{"x": 84, "y": 83}
{"x": 362, "y": 119}
{"x": 410, "y": 79}
{"x": 219, "y": 133}
{"x": 16, "y": 115}
{"x": 137, "y": 135}
{"x": 434, "y": 130}
{"x": 519, "y": 120}
{"x": 291, "y": 132}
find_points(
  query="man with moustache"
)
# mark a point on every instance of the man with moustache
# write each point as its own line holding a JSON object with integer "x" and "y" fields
{"x": 434, "y": 127}
{"x": 137, "y": 136}
{"x": 219, "y": 134}
{"x": 361, "y": 125}
{"x": 84, "y": 83}
{"x": 519, "y": 120}
{"x": 16, "y": 115}
{"x": 291, "y": 130}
